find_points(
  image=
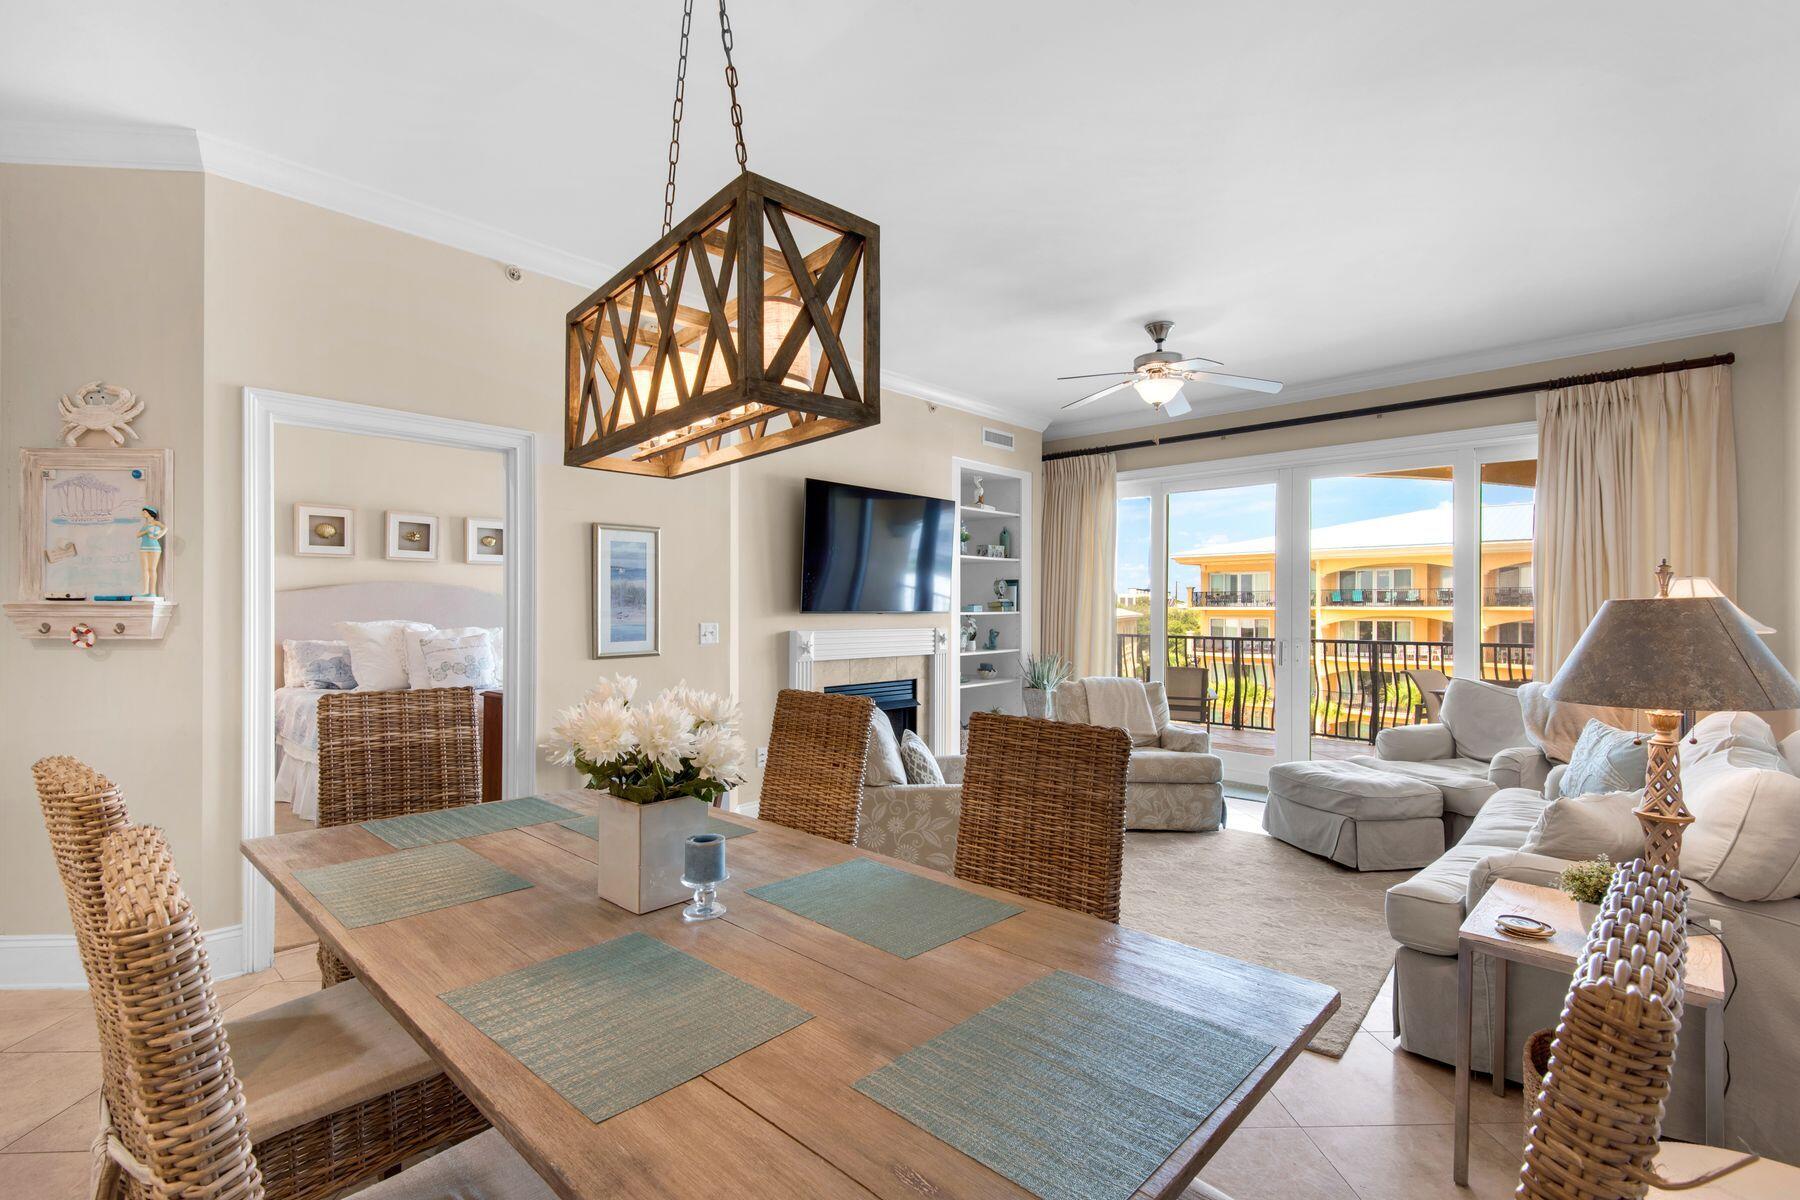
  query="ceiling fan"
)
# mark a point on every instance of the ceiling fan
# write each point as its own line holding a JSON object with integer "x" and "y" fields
{"x": 1158, "y": 377}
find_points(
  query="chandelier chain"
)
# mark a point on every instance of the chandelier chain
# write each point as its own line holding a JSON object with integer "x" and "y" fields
{"x": 678, "y": 109}
{"x": 731, "y": 82}
{"x": 687, "y": 24}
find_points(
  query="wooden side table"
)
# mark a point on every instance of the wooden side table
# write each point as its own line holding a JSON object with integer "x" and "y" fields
{"x": 1704, "y": 987}
{"x": 1766, "y": 1180}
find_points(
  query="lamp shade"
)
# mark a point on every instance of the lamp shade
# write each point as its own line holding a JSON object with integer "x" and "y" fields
{"x": 1700, "y": 653}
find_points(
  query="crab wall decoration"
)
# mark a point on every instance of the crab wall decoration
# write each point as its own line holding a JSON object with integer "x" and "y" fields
{"x": 99, "y": 408}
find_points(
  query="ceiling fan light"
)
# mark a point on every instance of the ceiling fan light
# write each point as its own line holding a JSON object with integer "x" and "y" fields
{"x": 1158, "y": 390}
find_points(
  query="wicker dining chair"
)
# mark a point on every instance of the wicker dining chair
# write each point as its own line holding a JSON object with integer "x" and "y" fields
{"x": 183, "y": 1125}
{"x": 1043, "y": 811}
{"x": 814, "y": 778}
{"x": 1597, "y": 1118}
{"x": 389, "y": 754}
{"x": 328, "y": 1110}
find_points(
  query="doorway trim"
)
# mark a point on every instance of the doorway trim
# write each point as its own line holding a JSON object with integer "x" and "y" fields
{"x": 264, "y": 409}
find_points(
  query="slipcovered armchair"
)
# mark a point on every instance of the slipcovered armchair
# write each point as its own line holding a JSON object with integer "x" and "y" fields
{"x": 912, "y": 821}
{"x": 1477, "y": 747}
{"x": 1173, "y": 780}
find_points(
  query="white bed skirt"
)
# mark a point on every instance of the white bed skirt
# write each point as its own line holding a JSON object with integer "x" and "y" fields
{"x": 297, "y": 785}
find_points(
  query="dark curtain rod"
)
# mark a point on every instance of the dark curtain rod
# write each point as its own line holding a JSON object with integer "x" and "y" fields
{"x": 1377, "y": 410}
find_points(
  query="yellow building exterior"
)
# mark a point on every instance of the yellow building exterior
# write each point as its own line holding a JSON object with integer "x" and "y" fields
{"x": 1383, "y": 579}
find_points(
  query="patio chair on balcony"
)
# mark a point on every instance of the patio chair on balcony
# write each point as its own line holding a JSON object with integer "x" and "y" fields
{"x": 1189, "y": 697}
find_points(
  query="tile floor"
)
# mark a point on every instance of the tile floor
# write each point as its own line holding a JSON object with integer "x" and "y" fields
{"x": 1373, "y": 1125}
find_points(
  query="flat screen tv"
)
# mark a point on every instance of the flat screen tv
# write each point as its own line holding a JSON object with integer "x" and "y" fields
{"x": 866, "y": 550}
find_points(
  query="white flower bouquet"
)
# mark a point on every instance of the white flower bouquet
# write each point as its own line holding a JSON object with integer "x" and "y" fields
{"x": 683, "y": 743}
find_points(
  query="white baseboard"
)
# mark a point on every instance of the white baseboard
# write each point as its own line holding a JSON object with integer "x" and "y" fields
{"x": 50, "y": 960}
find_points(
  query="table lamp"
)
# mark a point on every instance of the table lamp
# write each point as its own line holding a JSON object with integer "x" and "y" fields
{"x": 1664, "y": 655}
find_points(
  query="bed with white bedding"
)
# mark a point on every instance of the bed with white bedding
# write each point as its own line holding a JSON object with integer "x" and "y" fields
{"x": 313, "y": 615}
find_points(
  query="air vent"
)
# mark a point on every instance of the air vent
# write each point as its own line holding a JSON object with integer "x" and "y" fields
{"x": 997, "y": 439}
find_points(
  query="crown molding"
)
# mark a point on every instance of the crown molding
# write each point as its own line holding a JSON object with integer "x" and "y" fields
{"x": 99, "y": 144}
{"x": 1742, "y": 316}
{"x": 229, "y": 160}
{"x": 934, "y": 394}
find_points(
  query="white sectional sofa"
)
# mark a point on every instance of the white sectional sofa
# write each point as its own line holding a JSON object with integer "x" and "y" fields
{"x": 1742, "y": 862}
{"x": 1476, "y": 747}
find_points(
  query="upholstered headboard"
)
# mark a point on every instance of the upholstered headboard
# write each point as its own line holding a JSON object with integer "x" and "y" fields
{"x": 311, "y": 613}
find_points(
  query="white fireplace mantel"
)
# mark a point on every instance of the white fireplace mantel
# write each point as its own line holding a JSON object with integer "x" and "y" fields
{"x": 809, "y": 646}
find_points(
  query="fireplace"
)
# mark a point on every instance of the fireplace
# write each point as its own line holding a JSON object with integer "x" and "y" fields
{"x": 898, "y": 699}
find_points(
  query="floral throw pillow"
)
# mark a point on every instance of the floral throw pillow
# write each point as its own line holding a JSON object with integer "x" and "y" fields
{"x": 921, "y": 765}
{"x": 465, "y": 660}
{"x": 318, "y": 665}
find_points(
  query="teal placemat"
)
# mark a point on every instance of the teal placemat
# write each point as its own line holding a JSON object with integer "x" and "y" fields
{"x": 886, "y": 907}
{"x": 368, "y": 891}
{"x": 620, "y": 1023}
{"x": 470, "y": 820}
{"x": 1069, "y": 1088}
{"x": 591, "y": 827}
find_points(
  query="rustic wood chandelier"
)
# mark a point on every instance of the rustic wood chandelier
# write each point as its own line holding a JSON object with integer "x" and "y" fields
{"x": 735, "y": 334}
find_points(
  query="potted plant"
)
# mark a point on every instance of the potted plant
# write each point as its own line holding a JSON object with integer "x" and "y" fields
{"x": 1043, "y": 674}
{"x": 1586, "y": 883}
{"x": 661, "y": 764}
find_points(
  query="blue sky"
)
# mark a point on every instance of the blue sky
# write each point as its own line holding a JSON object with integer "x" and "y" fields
{"x": 1234, "y": 514}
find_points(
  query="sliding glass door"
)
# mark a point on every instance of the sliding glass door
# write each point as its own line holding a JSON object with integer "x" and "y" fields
{"x": 1381, "y": 591}
{"x": 1299, "y": 604}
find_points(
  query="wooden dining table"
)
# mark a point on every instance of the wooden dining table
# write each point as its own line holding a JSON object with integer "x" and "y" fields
{"x": 782, "y": 1120}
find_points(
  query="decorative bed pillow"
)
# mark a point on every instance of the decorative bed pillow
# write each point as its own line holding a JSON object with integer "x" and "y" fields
{"x": 1605, "y": 760}
{"x": 915, "y": 755}
{"x": 378, "y": 652}
{"x": 319, "y": 665}
{"x": 418, "y": 673}
{"x": 445, "y": 658}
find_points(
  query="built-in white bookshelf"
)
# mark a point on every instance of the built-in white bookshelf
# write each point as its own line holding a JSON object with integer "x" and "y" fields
{"x": 985, "y": 577}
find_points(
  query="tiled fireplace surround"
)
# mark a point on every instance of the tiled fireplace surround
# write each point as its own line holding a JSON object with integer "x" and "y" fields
{"x": 821, "y": 658}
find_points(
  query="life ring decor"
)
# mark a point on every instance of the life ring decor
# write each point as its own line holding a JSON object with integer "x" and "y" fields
{"x": 82, "y": 634}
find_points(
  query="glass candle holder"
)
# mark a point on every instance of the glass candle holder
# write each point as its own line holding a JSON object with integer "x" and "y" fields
{"x": 704, "y": 863}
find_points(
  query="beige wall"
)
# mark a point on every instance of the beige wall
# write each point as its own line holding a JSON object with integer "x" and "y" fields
{"x": 374, "y": 475}
{"x": 100, "y": 278}
{"x": 188, "y": 289}
{"x": 1767, "y": 407}
{"x": 911, "y": 451}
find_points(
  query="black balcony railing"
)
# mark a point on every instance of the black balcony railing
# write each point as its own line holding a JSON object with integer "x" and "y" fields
{"x": 1387, "y": 597}
{"x": 1358, "y": 688}
{"x": 1507, "y": 597}
{"x": 1231, "y": 598}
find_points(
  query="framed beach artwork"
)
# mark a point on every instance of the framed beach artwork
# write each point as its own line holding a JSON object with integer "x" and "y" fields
{"x": 84, "y": 512}
{"x": 626, "y": 590}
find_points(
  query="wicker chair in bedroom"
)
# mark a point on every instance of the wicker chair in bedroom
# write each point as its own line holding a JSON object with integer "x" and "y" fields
{"x": 814, "y": 779}
{"x": 387, "y": 754}
{"x": 338, "y": 1093}
{"x": 1043, "y": 811}
{"x": 179, "y": 1078}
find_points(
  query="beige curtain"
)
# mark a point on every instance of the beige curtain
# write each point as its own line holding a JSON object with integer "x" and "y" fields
{"x": 1080, "y": 495}
{"x": 1630, "y": 471}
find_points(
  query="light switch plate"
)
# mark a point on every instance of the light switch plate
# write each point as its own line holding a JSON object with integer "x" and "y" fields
{"x": 709, "y": 633}
{"x": 762, "y": 756}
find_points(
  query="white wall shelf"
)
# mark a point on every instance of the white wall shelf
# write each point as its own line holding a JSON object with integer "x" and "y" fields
{"x": 1008, "y": 507}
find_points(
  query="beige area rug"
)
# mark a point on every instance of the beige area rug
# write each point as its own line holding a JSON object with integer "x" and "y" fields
{"x": 1259, "y": 899}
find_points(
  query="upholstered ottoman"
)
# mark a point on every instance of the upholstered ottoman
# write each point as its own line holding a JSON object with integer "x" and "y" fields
{"x": 1356, "y": 815}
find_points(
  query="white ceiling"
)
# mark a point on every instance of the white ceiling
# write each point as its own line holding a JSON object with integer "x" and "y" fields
{"x": 1335, "y": 195}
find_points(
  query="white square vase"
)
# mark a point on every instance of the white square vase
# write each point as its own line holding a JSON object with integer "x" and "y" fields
{"x": 642, "y": 851}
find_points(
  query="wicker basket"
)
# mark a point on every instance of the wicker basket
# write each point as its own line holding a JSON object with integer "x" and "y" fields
{"x": 1537, "y": 1061}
